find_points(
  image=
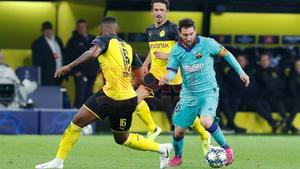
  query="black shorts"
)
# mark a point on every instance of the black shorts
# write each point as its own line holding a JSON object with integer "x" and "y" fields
{"x": 151, "y": 82}
{"x": 118, "y": 111}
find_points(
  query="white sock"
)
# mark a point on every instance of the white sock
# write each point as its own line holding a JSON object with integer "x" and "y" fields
{"x": 162, "y": 148}
{"x": 59, "y": 160}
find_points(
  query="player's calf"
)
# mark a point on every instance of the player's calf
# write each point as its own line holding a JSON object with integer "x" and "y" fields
{"x": 206, "y": 143}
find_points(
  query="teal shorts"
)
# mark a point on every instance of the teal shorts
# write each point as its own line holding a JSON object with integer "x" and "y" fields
{"x": 188, "y": 108}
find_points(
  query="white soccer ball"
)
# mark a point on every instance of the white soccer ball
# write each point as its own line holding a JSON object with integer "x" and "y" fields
{"x": 216, "y": 157}
{"x": 87, "y": 130}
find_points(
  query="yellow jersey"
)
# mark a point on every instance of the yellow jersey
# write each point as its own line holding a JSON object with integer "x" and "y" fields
{"x": 162, "y": 39}
{"x": 117, "y": 60}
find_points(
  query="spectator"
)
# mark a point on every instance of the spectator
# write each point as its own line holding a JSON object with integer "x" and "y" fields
{"x": 271, "y": 85}
{"x": 240, "y": 96}
{"x": 84, "y": 75}
{"x": 293, "y": 97}
{"x": 47, "y": 53}
{"x": 224, "y": 105}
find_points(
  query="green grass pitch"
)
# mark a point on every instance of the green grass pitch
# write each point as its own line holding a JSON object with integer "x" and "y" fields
{"x": 100, "y": 152}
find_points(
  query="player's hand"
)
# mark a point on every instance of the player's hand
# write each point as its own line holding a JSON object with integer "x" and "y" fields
{"x": 245, "y": 78}
{"x": 161, "y": 55}
{"x": 163, "y": 81}
{"x": 62, "y": 71}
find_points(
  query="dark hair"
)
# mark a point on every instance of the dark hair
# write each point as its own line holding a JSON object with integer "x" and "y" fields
{"x": 46, "y": 25}
{"x": 79, "y": 21}
{"x": 166, "y": 2}
{"x": 108, "y": 20}
{"x": 185, "y": 23}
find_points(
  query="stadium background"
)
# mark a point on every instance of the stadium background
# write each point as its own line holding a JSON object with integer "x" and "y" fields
{"x": 20, "y": 24}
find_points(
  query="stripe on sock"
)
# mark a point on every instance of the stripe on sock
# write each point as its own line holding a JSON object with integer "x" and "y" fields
{"x": 177, "y": 139}
{"x": 213, "y": 128}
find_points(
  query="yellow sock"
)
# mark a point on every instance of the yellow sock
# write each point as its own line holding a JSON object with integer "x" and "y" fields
{"x": 199, "y": 129}
{"x": 138, "y": 142}
{"x": 70, "y": 137}
{"x": 143, "y": 111}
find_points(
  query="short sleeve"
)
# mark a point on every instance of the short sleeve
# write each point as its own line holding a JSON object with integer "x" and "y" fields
{"x": 216, "y": 48}
{"x": 173, "y": 62}
{"x": 175, "y": 32}
{"x": 148, "y": 34}
{"x": 136, "y": 61}
{"x": 102, "y": 42}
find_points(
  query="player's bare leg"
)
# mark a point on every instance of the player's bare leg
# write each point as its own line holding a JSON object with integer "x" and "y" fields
{"x": 143, "y": 111}
{"x": 138, "y": 142}
{"x": 70, "y": 137}
{"x": 213, "y": 127}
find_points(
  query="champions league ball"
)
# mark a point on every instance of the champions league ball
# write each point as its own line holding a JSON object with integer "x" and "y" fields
{"x": 216, "y": 157}
{"x": 87, "y": 130}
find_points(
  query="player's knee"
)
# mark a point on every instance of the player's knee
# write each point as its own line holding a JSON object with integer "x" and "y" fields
{"x": 120, "y": 140}
{"x": 206, "y": 121}
{"x": 179, "y": 132}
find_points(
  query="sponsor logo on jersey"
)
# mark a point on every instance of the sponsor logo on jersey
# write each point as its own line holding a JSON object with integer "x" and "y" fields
{"x": 193, "y": 68}
{"x": 159, "y": 45}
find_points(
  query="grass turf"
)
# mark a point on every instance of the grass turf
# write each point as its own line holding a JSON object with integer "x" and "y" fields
{"x": 100, "y": 152}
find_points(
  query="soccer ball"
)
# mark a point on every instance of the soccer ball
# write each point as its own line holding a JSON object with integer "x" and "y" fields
{"x": 216, "y": 157}
{"x": 87, "y": 130}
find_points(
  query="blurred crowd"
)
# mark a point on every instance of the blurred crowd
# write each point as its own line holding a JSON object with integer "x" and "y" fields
{"x": 274, "y": 74}
{"x": 48, "y": 53}
{"x": 275, "y": 85}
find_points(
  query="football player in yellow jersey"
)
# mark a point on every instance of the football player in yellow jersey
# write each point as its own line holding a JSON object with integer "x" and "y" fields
{"x": 162, "y": 36}
{"x": 117, "y": 100}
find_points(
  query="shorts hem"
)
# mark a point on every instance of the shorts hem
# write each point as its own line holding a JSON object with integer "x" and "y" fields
{"x": 119, "y": 131}
{"x": 91, "y": 111}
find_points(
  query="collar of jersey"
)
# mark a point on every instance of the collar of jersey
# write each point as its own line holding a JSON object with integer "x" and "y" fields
{"x": 188, "y": 49}
{"x": 162, "y": 24}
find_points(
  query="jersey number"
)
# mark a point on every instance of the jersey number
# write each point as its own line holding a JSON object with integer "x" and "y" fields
{"x": 122, "y": 122}
{"x": 126, "y": 60}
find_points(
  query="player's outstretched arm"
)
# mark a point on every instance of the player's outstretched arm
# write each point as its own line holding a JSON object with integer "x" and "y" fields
{"x": 168, "y": 77}
{"x": 234, "y": 63}
{"x": 161, "y": 55}
{"x": 245, "y": 78}
{"x": 146, "y": 63}
{"x": 87, "y": 56}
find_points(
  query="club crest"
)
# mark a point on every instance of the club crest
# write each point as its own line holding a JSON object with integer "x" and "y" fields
{"x": 198, "y": 55}
{"x": 162, "y": 33}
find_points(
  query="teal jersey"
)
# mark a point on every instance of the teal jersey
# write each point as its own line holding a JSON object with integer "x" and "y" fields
{"x": 196, "y": 66}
